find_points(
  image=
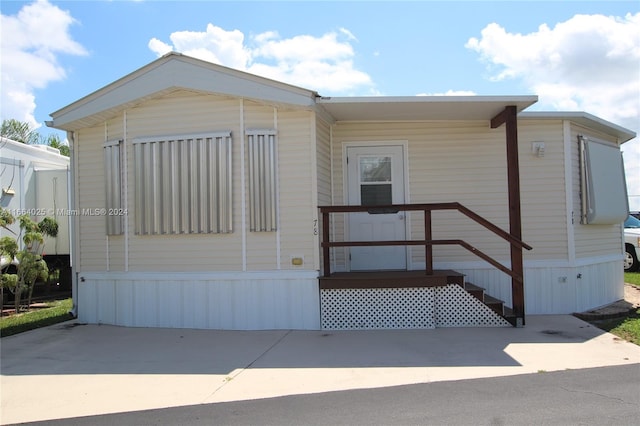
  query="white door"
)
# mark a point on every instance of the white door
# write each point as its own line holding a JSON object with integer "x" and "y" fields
{"x": 375, "y": 176}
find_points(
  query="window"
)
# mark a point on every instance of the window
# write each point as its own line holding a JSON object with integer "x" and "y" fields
{"x": 183, "y": 184}
{"x": 261, "y": 149}
{"x": 113, "y": 176}
{"x": 375, "y": 180}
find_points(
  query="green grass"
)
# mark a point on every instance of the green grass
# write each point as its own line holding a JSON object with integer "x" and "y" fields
{"x": 632, "y": 278}
{"x": 627, "y": 328}
{"x": 57, "y": 311}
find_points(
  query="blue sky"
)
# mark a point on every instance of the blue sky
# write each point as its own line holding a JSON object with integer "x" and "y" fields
{"x": 575, "y": 55}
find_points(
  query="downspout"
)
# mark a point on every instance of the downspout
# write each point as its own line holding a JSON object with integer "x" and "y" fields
{"x": 125, "y": 195}
{"x": 106, "y": 236}
{"x": 73, "y": 222}
{"x": 243, "y": 203}
{"x": 569, "y": 191}
{"x": 277, "y": 191}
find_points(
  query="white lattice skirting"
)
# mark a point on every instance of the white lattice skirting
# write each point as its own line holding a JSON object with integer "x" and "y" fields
{"x": 415, "y": 307}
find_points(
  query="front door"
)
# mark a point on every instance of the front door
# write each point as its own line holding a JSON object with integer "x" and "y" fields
{"x": 375, "y": 176}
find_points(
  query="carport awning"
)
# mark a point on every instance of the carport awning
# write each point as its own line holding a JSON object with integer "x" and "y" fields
{"x": 421, "y": 107}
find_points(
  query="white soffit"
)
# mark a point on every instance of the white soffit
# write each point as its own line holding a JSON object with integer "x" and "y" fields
{"x": 585, "y": 119}
{"x": 412, "y": 108}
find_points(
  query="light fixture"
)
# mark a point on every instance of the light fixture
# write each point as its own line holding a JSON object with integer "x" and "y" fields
{"x": 8, "y": 191}
{"x": 537, "y": 148}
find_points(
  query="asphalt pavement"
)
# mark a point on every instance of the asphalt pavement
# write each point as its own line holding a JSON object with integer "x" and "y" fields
{"x": 71, "y": 371}
{"x": 598, "y": 396}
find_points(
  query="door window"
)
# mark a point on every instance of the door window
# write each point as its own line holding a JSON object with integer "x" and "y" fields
{"x": 375, "y": 180}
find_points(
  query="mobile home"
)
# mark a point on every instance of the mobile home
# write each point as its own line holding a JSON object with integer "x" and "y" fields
{"x": 34, "y": 181}
{"x": 214, "y": 198}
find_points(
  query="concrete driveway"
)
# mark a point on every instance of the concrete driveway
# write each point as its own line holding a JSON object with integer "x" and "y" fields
{"x": 71, "y": 370}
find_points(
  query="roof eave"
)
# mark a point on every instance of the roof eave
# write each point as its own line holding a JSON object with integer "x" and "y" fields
{"x": 175, "y": 71}
{"x": 421, "y": 107}
{"x": 584, "y": 118}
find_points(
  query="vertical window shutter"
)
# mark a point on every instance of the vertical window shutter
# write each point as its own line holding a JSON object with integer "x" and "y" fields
{"x": 603, "y": 183}
{"x": 261, "y": 149}
{"x": 183, "y": 185}
{"x": 113, "y": 176}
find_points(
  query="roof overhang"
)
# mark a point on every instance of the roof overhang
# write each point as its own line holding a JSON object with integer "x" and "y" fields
{"x": 585, "y": 119}
{"x": 167, "y": 74}
{"x": 412, "y": 108}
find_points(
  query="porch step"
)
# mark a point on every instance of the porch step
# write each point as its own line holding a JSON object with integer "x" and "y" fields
{"x": 510, "y": 316}
{"x": 475, "y": 291}
{"x": 496, "y": 305}
{"x": 391, "y": 279}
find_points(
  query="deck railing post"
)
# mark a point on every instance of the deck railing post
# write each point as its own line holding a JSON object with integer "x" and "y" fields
{"x": 325, "y": 244}
{"x": 428, "y": 248}
{"x": 509, "y": 117}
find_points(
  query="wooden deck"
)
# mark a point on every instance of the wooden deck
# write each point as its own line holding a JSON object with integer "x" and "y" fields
{"x": 391, "y": 279}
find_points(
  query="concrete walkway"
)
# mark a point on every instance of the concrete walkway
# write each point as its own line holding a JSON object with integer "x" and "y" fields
{"x": 70, "y": 370}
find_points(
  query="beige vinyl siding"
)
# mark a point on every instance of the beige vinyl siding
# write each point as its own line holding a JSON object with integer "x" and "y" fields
{"x": 542, "y": 188}
{"x": 186, "y": 113}
{"x": 297, "y": 199}
{"x": 183, "y": 113}
{"x": 466, "y": 162}
{"x": 258, "y": 116}
{"x": 591, "y": 240}
{"x": 261, "y": 246}
{"x": 323, "y": 174}
{"x": 323, "y": 156}
{"x": 92, "y": 254}
{"x": 462, "y": 162}
{"x": 447, "y": 161}
{"x": 294, "y": 189}
{"x": 114, "y": 130}
{"x": 116, "y": 253}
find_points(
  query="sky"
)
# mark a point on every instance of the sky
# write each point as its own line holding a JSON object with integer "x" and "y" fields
{"x": 575, "y": 55}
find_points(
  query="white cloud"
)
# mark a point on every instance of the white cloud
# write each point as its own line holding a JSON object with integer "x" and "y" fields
{"x": 589, "y": 63}
{"x": 213, "y": 45}
{"x": 30, "y": 43}
{"x": 322, "y": 63}
{"x": 349, "y": 34}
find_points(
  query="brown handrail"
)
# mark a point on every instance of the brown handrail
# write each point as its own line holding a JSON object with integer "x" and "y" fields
{"x": 428, "y": 242}
{"x": 429, "y": 207}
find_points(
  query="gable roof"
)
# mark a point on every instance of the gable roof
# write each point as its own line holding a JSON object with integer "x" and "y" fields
{"x": 169, "y": 73}
{"x": 175, "y": 71}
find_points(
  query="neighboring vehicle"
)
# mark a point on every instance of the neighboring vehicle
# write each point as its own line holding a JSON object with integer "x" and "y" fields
{"x": 631, "y": 244}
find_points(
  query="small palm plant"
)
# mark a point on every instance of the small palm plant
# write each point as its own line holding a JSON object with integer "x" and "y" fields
{"x": 30, "y": 265}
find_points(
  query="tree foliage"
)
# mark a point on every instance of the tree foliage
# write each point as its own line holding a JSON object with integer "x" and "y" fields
{"x": 54, "y": 141}
{"x": 21, "y": 131}
{"x": 6, "y": 218}
{"x": 28, "y": 262}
